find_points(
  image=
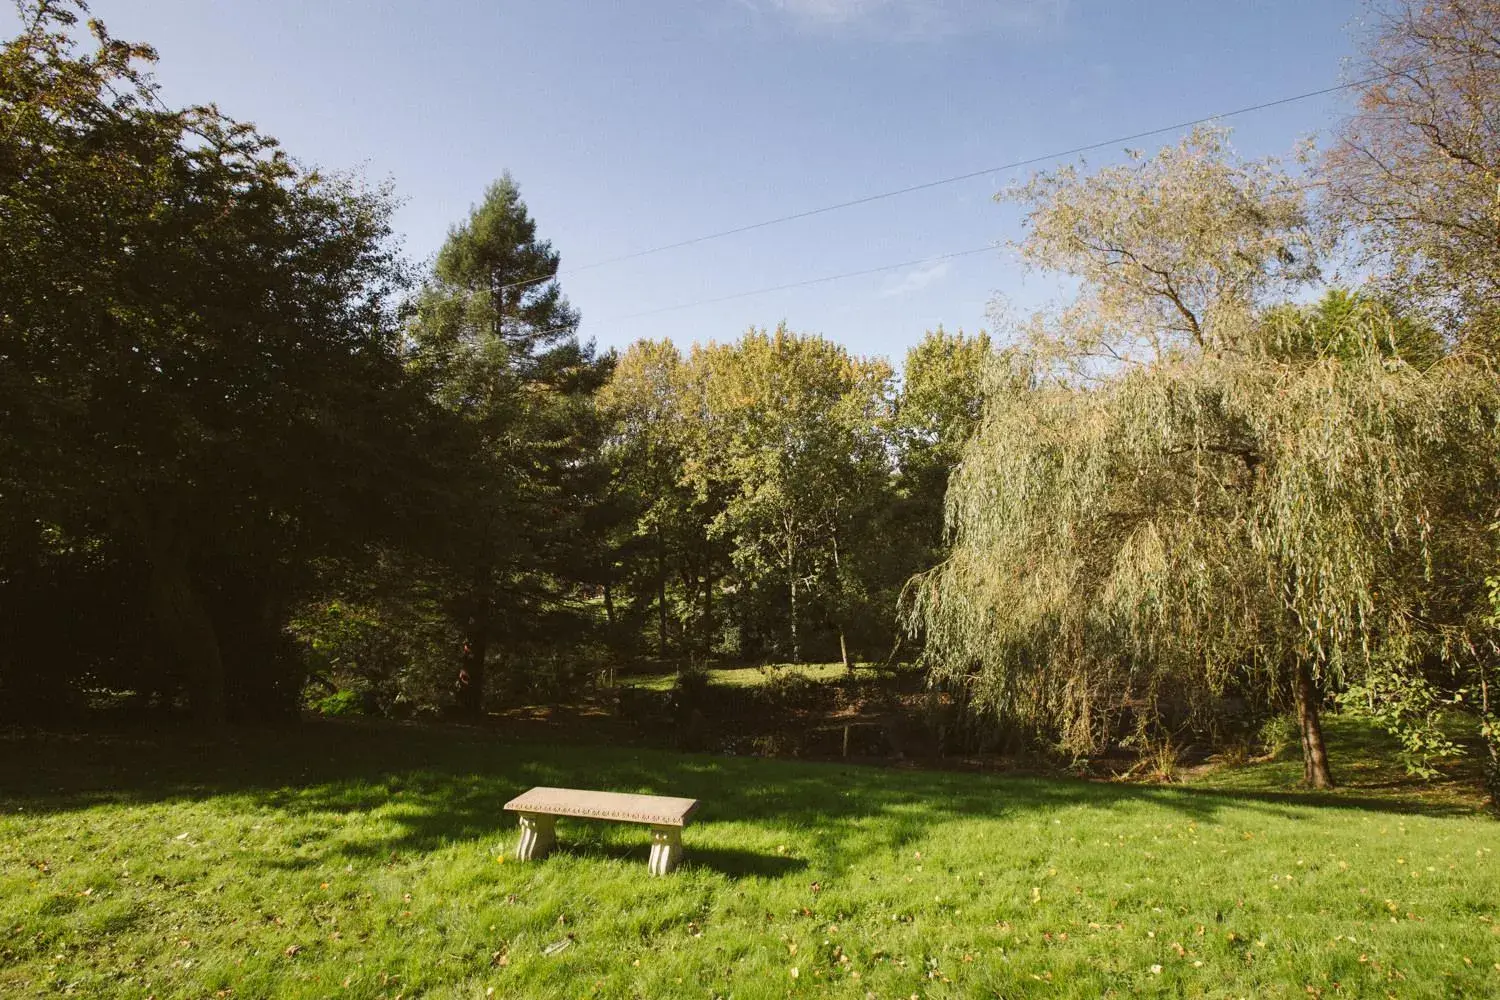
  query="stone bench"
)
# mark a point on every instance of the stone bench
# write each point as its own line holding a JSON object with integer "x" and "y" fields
{"x": 539, "y": 808}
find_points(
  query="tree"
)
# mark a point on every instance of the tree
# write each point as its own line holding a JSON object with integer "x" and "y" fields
{"x": 497, "y": 342}
{"x": 666, "y": 542}
{"x": 1418, "y": 167}
{"x": 939, "y": 406}
{"x": 1180, "y": 489}
{"x": 1173, "y": 253}
{"x": 793, "y": 430}
{"x": 200, "y": 378}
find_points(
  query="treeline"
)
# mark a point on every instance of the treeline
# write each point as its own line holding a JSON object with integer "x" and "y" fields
{"x": 778, "y": 491}
{"x": 250, "y": 457}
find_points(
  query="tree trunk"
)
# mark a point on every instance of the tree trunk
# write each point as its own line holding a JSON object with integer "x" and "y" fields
{"x": 792, "y": 622}
{"x": 661, "y": 617}
{"x": 609, "y": 609}
{"x": 708, "y": 613}
{"x": 471, "y": 673}
{"x": 1314, "y": 755}
{"x": 189, "y": 630}
{"x": 661, "y": 596}
{"x": 838, "y": 582}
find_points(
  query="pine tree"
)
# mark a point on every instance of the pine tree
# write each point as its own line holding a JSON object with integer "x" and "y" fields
{"x": 499, "y": 343}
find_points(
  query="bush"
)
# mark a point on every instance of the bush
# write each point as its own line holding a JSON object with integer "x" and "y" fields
{"x": 340, "y": 703}
{"x": 1277, "y": 735}
{"x": 398, "y": 657}
{"x": 689, "y": 690}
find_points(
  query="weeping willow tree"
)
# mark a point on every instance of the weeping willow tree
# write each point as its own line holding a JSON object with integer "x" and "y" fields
{"x": 1179, "y": 489}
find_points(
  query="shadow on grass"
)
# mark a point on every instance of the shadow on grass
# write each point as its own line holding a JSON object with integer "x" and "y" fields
{"x": 438, "y": 785}
{"x": 725, "y": 861}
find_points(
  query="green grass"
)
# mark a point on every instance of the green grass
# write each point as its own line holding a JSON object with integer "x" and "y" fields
{"x": 753, "y": 676}
{"x": 357, "y": 861}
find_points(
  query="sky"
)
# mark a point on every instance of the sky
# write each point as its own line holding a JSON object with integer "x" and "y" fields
{"x": 630, "y": 125}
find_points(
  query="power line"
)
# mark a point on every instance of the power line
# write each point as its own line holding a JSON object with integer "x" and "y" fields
{"x": 1281, "y": 189}
{"x": 804, "y": 284}
{"x": 1287, "y": 188}
{"x": 956, "y": 178}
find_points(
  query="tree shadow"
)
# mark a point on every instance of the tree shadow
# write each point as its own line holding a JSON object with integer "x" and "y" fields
{"x": 438, "y": 785}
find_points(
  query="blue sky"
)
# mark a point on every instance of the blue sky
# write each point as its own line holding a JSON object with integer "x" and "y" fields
{"x": 634, "y": 124}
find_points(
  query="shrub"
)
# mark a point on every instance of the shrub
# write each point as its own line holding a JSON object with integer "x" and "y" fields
{"x": 1277, "y": 735}
{"x": 340, "y": 703}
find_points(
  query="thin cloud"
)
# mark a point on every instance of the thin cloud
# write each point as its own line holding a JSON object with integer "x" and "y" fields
{"x": 913, "y": 18}
{"x": 916, "y": 279}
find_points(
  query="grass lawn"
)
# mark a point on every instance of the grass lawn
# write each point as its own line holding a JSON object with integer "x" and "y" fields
{"x": 341, "y": 860}
{"x": 752, "y": 676}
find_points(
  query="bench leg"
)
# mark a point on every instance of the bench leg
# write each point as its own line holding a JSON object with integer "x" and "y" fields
{"x": 537, "y": 836}
{"x": 666, "y": 848}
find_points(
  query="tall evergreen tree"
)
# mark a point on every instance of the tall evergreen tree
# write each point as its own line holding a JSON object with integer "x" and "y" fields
{"x": 498, "y": 342}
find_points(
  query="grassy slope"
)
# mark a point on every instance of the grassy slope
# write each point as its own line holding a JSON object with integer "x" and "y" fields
{"x": 375, "y": 862}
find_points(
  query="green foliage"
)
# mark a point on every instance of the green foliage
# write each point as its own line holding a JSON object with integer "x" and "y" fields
{"x": 689, "y": 687}
{"x": 662, "y": 551}
{"x": 1488, "y": 710}
{"x": 1277, "y": 735}
{"x": 394, "y": 652}
{"x": 1194, "y": 527}
{"x": 793, "y": 436}
{"x": 941, "y": 399}
{"x": 1413, "y": 710}
{"x": 495, "y": 341}
{"x": 939, "y": 405}
{"x": 754, "y": 473}
{"x": 1222, "y": 496}
{"x": 339, "y": 703}
{"x": 201, "y": 387}
{"x": 1173, "y": 253}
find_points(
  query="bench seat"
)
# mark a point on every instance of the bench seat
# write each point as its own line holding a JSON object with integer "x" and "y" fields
{"x": 539, "y": 808}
